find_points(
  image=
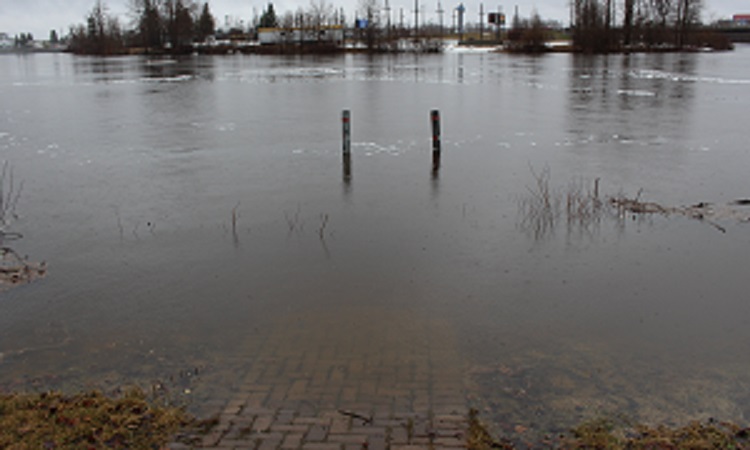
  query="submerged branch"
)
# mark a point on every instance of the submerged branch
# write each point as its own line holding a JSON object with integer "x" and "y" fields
{"x": 15, "y": 270}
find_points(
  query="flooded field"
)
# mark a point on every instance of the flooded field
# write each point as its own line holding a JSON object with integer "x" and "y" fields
{"x": 201, "y": 237}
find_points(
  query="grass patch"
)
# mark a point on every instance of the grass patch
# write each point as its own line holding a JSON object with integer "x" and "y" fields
{"x": 605, "y": 434}
{"x": 479, "y": 438}
{"x": 52, "y": 420}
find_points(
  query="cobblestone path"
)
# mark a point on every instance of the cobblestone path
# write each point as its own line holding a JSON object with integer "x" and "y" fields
{"x": 352, "y": 378}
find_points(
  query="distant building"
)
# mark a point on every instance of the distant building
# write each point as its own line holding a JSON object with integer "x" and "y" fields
{"x": 6, "y": 41}
{"x": 741, "y": 19}
{"x": 332, "y": 34}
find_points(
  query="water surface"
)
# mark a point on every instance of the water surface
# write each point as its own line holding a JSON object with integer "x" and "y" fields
{"x": 191, "y": 210}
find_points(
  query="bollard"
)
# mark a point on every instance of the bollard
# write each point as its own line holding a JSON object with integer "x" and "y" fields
{"x": 435, "y": 119}
{"x": 435, "y": 164}
{"x": 347, "y": 167}
{"x": 347, "y": 130}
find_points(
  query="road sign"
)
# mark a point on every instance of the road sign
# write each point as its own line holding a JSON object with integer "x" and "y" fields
{"x": 496, "y": 18}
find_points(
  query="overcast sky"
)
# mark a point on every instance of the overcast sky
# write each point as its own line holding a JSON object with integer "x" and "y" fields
{"x": 41, "y": 16}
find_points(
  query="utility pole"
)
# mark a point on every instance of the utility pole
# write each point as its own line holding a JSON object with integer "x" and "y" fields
{"x": 387, "y": 10}
{"x": 481, "y": 21}
{"x": 500, "y": 21}
{"x": 461, "y": 9}
{"x": 416, "y": 18}
{"x": 440, "y": 12}
{"x": 422, "y": 11}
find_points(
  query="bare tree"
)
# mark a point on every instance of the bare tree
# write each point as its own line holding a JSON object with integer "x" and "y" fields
{"x": 658, "y": 22}
{"x": 287, "y": 25}
{"x": 627, "y": 22}
{"x": 178, "y": 17}
{"x": 591, "y": 32}
{"x": 662, "y": 9}
{"x": 322, "y": 13}
{"x": 688, "y": 15}
{"x": 102, "y": 34}
{"x": 148, "y": 22}
{"x": 370, "y": 10}
{"x": 528, "y": 35}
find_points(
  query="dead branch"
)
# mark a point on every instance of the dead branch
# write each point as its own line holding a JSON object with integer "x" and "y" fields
{"x": 15, "y": 270}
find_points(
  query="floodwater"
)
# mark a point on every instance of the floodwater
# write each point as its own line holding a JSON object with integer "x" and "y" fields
{"x": 192, "y": 211}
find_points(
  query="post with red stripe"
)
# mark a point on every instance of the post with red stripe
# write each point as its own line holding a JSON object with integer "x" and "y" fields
{"x": 347, "y": 130}
{"x": 435, "y": 119}
{"x": 347, "y": 134}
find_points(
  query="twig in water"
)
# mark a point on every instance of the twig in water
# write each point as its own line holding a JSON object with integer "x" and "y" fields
{"x": 9, "y": 200}
{"x": 293, "y": 222}
{"x": 119, "y": 225}
{"x": 324, "y": 222}
{"x": 15, "y": 270}
{"x": 596, "y": 190}
{"x": 289, "y": 223}
{"x": 235, "y": 238}
{"x": 353, "y": 415}
{"x": 234, "y": 218}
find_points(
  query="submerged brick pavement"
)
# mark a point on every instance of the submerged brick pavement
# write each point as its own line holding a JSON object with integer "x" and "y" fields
{"x": 353, "y": 378}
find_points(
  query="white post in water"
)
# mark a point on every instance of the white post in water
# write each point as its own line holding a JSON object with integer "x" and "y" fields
{"x": 347, "y": 131}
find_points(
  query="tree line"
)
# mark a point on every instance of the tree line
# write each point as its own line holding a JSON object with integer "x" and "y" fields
{"x": 157, "y": 25}
{"x": 597, "y": 26}
{"x": 176, "y": 25}
{"x": 645, "y": 24}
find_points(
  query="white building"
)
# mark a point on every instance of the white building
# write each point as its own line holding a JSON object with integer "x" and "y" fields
{"x": 6, "y": 41}
{"x": 333, "y": 34}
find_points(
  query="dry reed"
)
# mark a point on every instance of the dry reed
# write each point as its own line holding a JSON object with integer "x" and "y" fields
{"x": 582, "y": 208}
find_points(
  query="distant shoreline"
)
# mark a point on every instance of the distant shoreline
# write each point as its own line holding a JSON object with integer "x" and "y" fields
{"x": 287, "y": 49}
{"x": 25, "y": 51}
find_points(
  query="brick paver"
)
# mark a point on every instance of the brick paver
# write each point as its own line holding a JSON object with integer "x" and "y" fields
{"x": 354, "y": 378}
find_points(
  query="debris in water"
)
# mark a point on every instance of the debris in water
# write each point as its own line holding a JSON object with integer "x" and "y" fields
{"x": 15, "y": 270}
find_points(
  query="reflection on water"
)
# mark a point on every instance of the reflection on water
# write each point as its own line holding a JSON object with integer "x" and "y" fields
{"x": 637, "y": 108}
{"x": 194, "y": 212}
